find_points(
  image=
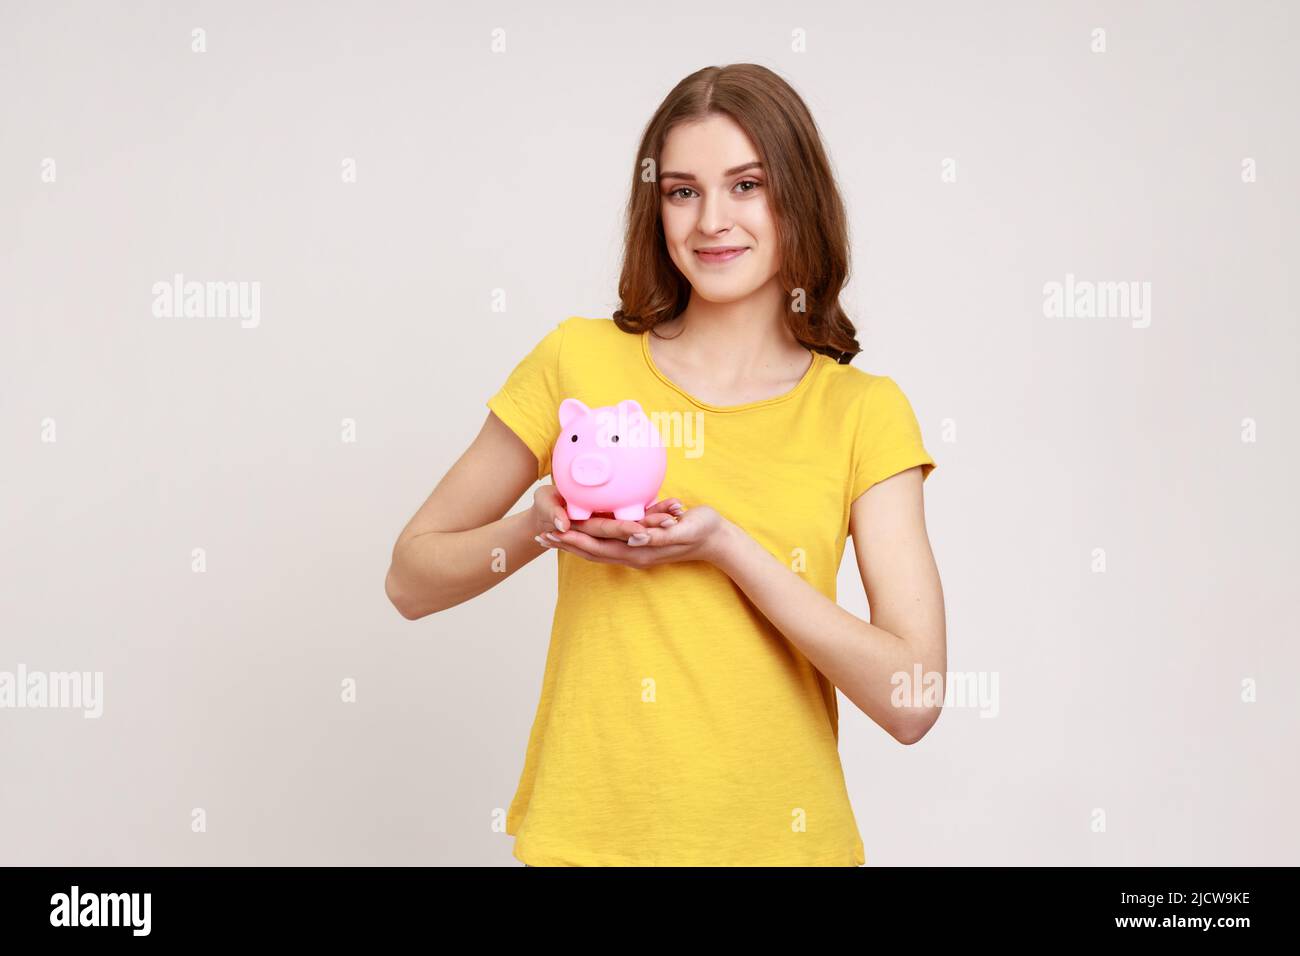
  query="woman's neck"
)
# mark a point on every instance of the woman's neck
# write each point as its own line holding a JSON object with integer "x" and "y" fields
{"x": 747, "y": 339}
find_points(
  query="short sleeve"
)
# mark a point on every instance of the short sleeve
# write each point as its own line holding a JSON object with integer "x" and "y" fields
{"x": 888, "y": 437}
{"x": 529, "y": 401}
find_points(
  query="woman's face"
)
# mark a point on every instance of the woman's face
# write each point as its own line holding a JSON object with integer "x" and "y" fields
{"x": 713, "y": 193}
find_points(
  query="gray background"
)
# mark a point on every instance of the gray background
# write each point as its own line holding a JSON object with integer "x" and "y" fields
{"x": 479, "y": 171}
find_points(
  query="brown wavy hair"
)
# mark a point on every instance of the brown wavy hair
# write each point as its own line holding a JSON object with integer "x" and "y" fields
{"x": 814, "y": 243}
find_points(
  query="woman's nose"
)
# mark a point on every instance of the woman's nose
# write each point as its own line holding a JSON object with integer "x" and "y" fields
{"x": 714, "y": 216}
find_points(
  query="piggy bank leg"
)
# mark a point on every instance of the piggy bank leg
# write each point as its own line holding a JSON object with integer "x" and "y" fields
{"x": 630, "y": 513}
{"x": 575, "y": 512}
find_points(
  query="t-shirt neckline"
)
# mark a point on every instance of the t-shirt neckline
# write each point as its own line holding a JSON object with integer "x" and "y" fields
{"x": 798, "y": 389}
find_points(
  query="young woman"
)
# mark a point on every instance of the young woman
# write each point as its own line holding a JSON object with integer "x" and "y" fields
{"x": 688, "y": 711}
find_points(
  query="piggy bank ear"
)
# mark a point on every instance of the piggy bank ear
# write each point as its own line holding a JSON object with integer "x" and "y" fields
{"x": 571, "y": 409}
{"x": 631, "y": 408}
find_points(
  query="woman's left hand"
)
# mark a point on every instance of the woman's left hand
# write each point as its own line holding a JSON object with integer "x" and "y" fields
{"x": 696, "y": 535}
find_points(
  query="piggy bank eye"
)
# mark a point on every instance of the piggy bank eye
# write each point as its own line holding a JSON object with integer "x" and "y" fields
{"x": 615, "y": 438}
{"x": 573, "y": 438}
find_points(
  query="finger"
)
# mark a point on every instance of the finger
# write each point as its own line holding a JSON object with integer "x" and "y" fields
{"x": 667, "y": 505}
{"x": 657, "y": 519}
{"x": 598, "y": 527}
{"x": 665, "y": 533}
{"x": 548, "y": 541}
{"x": 583, "y": 545}
{"x": 611, "y": 552}
{"x": 561, "y": 516}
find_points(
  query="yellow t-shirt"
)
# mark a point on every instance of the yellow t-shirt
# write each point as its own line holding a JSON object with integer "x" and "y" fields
{"x": 677, "y": 726}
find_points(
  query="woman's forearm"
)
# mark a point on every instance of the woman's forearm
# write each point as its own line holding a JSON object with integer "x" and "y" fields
{"x": 858, "y": 657}
{"x": 436, "y": 570}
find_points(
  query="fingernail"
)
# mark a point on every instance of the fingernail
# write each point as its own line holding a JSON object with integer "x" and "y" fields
{"x": 538, "y": 539}
{"x": 668, "y": 521}
{"x": 562, "y": 524}
{"x": 551, "y": 536}
{"x": 638, "y": 539}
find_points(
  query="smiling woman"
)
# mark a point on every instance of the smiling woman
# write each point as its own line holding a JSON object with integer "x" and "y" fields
{"x": 741, "y": 167}
{"x": 688, "y": 713}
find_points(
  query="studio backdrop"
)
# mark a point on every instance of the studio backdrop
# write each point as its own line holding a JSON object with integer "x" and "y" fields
{"x": 263, "y": 265}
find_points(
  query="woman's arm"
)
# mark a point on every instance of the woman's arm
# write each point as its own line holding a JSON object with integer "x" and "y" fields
{"x": 446, "y": 553}
{"x": 902, "y": 583}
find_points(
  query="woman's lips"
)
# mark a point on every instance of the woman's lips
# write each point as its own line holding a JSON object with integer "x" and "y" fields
{"x": 721, "y": 256}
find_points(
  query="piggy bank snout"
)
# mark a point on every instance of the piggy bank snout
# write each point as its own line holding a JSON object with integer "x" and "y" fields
{"x": 591, "y": 469}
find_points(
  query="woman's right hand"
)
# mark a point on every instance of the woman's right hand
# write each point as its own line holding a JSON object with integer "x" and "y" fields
{"x": 550, "y": 515}
{"x": 548, "y": 510}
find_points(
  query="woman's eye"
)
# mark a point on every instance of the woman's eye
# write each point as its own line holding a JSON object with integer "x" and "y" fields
{"x": 676, "y": 193}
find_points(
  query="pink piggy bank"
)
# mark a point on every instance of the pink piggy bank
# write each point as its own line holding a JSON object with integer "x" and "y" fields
{"x": 607, "y": 459}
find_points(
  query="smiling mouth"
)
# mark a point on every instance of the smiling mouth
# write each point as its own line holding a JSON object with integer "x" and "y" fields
{"x": 720, "y": 255}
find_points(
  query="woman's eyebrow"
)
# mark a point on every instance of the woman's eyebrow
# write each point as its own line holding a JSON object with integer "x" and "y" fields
{"x": 673, "y": 174}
